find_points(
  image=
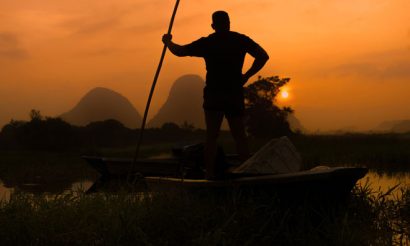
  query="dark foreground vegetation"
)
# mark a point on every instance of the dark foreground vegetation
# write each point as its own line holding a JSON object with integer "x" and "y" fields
{"x": 179, "y": 218}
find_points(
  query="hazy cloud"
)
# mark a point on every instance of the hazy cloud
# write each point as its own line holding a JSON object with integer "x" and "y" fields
{"x": 91, "y": 24}
{"x": 104, "y": 52}
{"x": 98, "y": 26}
{"x": 110, "y": 19}
{"x": 399, "y": 69}
{"x": 160, "y": 25}
{"x": 147, "y": 27}
{"x": 393, "y": 64}
{"x": 10, "y": 47}
{"x": 396, "y": 70}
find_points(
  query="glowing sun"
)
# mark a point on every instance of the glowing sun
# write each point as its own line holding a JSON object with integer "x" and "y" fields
{"x": 284, "y": 94}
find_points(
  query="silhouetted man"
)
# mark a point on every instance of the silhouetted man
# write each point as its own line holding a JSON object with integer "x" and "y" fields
{"x": 224, "y": 53}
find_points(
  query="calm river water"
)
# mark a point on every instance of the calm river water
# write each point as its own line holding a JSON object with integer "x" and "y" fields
{"x": 376, "y": 181}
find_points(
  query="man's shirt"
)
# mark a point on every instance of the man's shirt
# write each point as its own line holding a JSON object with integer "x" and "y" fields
{"x": 224, "y": 54}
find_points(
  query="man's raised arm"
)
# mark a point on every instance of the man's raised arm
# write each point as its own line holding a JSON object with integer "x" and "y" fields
{"x": 261, "y": 57}
{"x": 175, "y": 49}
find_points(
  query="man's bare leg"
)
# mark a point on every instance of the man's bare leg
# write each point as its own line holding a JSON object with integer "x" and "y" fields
{"x": 237, "y": 126}
{"x": 213, "y": 120}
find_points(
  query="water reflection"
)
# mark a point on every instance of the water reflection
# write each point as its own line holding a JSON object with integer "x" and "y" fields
{"x": 83, "y": 185}
{"x": 5, "y": 191}
{"x": 43, "y": 188}
{"x": 384, "y": 182}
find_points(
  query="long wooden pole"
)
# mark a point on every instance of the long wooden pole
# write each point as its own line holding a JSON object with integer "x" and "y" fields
{"x": 144, "y": 119}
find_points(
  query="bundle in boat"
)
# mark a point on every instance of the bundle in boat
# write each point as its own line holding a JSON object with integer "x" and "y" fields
{"x": 278, "y": 156}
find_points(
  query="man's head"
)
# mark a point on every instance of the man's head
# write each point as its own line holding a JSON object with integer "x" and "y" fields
{"x": 220, "y": 21}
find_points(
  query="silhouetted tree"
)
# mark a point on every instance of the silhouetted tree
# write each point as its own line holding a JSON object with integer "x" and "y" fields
{"x": 107, "y": 133}
{"x": 170, "y": 126}
{"x": 8, "y": 134}
{"x": 187, "y": 126}
{"x": 54, "y": 134}
{"x": 35, "y": 115}
{"x": 264, "y": 119}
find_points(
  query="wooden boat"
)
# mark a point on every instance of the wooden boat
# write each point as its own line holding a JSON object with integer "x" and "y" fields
{"x": 330, "y": 184}
{"x": 321, "y": 175}
{"x": 172, "y": 173}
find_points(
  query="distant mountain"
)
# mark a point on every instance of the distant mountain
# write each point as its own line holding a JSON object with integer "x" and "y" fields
{"x": 397, "y": 126}
{"x": 184, "y": 103}
{"x": 387, "y": 125}
{"x": 102, "y": 104}
{"x": 402, "y": 127}
{"x": 295, "y": 124}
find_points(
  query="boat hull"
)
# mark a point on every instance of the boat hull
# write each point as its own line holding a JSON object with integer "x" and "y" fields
{"x": 331, "y": 183}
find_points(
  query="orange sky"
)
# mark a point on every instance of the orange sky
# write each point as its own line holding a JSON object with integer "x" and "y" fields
{"x": 349, "y": 61}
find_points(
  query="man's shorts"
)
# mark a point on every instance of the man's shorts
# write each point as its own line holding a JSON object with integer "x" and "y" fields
{"x": 231, "y": 102}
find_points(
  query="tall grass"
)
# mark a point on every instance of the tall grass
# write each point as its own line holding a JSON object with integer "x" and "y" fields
{"x": 180, "y": 218}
